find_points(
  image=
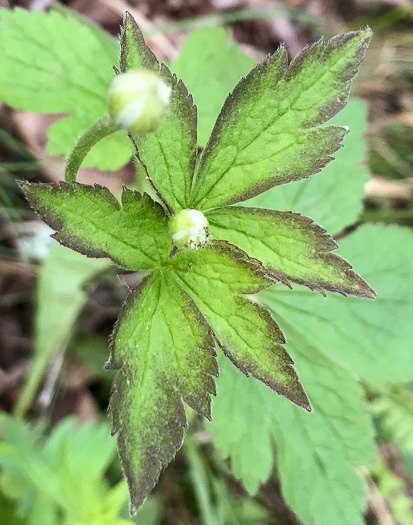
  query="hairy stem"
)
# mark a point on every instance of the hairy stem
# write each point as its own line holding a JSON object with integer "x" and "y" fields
{"x": 101, "y": 129}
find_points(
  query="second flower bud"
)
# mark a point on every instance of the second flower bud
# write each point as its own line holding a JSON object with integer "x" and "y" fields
{"x": 138, "y": 100}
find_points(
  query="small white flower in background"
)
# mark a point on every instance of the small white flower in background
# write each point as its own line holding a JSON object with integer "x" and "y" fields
{"x": 35, "y": 247}
{"x": 138, "y": 100}
{"x": 189, "y": 228}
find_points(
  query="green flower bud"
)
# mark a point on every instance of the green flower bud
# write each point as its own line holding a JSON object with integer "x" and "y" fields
{"x": 138, "y": 100}
{"x": 189, "y": 228}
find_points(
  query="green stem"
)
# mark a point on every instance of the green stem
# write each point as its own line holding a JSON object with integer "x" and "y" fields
{"x": 38, "y": 368}
{"x": 199, "y": 477}
{"x": 101, "y": 129}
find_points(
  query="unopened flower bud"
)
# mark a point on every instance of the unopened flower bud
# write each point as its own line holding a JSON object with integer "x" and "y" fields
{"x": 189, "y": 228}
{"x": 138, "y": 100}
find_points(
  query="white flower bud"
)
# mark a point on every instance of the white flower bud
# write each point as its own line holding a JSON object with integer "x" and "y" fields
{"x": 189, "y": 228}
{"x": 138, "y": 100}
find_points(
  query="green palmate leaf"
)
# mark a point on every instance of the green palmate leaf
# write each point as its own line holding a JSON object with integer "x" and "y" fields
{"x": 373, "y": 339}
{"x": 91, "y": 221}
{"x": 268, "y": 132}
{"x": 163, "y": 349}
{"x": 224, "y": 65}
{"x": 217, "y": 277}
{"x": 333, "y": 198}
{"x": 290, "y": 245}
{"x": 168, "y": 153}
{"x": 46, "y": 69}
{"x": 317, "y": 453}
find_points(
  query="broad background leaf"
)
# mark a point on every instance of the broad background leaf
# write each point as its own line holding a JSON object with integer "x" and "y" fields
{"x": 316, "y": 453}
{"x": 372, "y": 338}
{"x": 58, "y": 64}
{"x": 224, "y": 63}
